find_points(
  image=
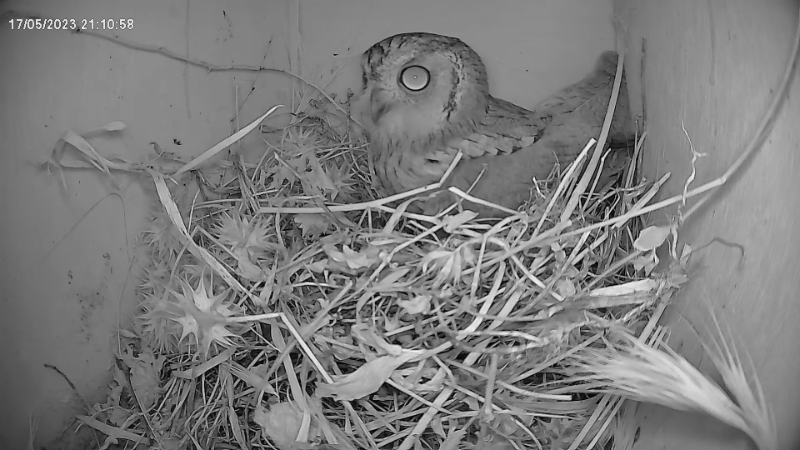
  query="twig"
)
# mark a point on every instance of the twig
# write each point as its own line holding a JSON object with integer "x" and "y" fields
{"x": 77, "y": 394}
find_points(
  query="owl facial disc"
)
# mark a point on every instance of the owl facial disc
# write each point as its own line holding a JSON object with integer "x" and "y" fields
{"x": 422, "y": 86}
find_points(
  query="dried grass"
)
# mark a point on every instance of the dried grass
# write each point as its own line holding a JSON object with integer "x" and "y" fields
{"x": 361, "y": 326}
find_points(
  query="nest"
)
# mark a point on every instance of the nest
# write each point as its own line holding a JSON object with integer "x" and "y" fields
{"x": 284, "y": 304}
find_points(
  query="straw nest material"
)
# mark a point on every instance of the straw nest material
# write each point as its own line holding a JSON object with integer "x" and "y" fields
{"x": 285, "y": 305}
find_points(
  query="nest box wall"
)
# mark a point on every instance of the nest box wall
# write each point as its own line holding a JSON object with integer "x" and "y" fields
{"x": 712, "y": 66}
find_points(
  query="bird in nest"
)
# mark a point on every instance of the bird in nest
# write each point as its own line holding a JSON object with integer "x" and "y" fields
{"x": 425, "y": 97}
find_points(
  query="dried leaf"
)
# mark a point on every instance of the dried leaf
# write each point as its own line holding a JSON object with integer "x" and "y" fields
{"x": 453, "y": 441}
{"x": 281, "y": 174}
{"x": 632, "y": 287}
{"x": 342, "y": 178}
{"x": 472, "y": 403}
{"x": 281, "y": 423}
{"x": 391, "y": 324}
{"x": 351, "y": 258}
{"x": 369, "y": 336}
{"x": 146, "y": 377}
{"x": 390, "y": 281}
{"x": 645, "y": 262}
{"x": 318, "y": 266}
{"x": 451, "y": 223}
{"x": 312, "y": 225}
{"x": 367, "y": 379}
{"x": 245, "y": 266}
{"x": 420, "y": 304}
{"x": 319, "y": 178}
{"x": 651, "y": 238}
{"x": 449, "y": 263}
{"x": 566, "y": 288}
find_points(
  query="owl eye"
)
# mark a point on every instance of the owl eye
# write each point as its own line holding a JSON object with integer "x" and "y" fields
{"x": 415, "y": 78}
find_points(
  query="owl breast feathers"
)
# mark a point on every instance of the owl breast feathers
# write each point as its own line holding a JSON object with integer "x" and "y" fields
{"x": 426, "y": 97}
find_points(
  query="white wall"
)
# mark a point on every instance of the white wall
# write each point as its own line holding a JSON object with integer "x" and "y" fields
{"x": 62, "y": 286}
{"x": 714, "y": 65}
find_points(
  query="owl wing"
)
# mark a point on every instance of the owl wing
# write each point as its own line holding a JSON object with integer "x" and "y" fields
{"x": 566, "y": 120}
{"x": 586, "y": 101}
{"x": 504, "y": 129}
{"x": 507, "y": 128}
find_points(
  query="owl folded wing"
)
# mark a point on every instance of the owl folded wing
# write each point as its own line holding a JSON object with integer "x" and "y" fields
{"x": 504, "y": 137}
{"x": 504, "y": 129}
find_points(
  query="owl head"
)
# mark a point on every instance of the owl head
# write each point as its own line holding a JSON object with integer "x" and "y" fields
{"x": 416, "y": 85}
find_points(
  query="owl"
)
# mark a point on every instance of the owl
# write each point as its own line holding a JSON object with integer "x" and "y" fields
{"x": 425, "y": 97}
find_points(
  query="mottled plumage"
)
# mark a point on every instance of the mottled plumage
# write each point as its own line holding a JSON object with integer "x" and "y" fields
{"x": 426, "y": 96}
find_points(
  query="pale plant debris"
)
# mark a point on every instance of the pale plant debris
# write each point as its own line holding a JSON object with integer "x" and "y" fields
{"x": 654, "y": 373}
{"x": 285, "y": 303}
